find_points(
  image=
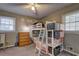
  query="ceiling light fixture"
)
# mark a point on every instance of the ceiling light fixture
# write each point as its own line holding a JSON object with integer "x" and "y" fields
{"x": 33, "y": 8}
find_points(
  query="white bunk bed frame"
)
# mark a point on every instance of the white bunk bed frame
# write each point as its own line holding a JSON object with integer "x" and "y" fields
{"x": 40, "y": 45}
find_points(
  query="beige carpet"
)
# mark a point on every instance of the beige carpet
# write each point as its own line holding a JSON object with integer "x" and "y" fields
{"x": 24, "y": 51}
{"x": 18, "y": 51}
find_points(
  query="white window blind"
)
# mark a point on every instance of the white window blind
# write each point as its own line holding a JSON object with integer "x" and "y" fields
{"x": 71, "y": 22}
{"x": 7, "y": 23}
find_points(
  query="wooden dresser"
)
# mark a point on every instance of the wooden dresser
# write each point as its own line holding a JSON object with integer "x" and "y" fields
{"x": 24, "y": 38}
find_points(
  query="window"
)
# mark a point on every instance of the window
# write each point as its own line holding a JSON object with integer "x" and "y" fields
{"x": 71, "y": 22}
{"x": 7, "y": 23}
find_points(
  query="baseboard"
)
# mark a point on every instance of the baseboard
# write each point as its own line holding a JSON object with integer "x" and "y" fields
{"x": 10, "y": 46}
{"x": 71, "y": 52}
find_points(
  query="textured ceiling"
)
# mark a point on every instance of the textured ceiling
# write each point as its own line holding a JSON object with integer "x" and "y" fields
{"x": 43, "y": 9}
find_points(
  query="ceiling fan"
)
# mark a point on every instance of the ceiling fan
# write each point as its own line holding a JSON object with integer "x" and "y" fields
{"x": 32, "y": 6}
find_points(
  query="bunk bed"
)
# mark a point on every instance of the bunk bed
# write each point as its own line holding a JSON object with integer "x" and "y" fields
{"x": 48, "y": 39}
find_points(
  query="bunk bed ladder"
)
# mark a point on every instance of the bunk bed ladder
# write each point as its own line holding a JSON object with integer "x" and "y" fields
{"x": 41, "y": 36}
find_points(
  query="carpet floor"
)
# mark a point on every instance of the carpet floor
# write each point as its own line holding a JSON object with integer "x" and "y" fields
{"x": 24, "y": 51}
{"x": 18, "y": 51}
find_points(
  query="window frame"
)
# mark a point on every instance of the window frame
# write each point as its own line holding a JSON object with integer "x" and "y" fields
{"x": 71, "y": 13}
{"x": 14, "y": 24}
